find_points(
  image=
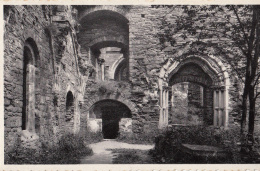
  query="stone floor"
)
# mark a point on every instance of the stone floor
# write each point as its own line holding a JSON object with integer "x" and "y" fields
{"x": 103, "y": 155}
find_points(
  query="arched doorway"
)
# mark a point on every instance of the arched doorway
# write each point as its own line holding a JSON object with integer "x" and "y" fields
{"x": 190, "y": 96}
{"x": 205, "y": 76}
{"x": 111, "y": 117}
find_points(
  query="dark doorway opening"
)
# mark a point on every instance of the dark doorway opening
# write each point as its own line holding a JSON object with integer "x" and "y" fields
{"x": 69, "y": 107}
{"x": 110, "y": 122}
{"x": 111, "y": 112}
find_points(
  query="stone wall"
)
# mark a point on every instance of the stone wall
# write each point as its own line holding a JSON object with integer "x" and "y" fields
{"x": 145, "y": 59}
{"x": 52, "y": 79}
{"x": 67, "y": 62}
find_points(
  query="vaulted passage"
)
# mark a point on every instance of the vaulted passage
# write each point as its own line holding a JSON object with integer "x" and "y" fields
{"x": 111, "y": 117}
{"x": 104, "y": 39}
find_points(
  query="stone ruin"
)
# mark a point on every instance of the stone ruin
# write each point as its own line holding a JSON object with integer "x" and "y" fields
{"x": 100, "y": 68}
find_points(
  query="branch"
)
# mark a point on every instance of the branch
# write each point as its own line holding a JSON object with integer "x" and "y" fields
{"x": 239, "y": 46}
{"x": 241, "y": 24}
{"x": 252, "y": 34}
{"x": 257, "y": 80}
{"x": 256, "y": 96}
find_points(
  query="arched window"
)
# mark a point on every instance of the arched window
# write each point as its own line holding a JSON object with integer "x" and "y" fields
{"x": 69, "y": 107}
{"x": 29, "y": 69}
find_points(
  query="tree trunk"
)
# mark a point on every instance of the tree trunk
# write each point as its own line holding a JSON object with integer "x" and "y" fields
{"x": 252, "y": 100}
{"x": 251, "y": 123}
{"x": 243, "y": 132}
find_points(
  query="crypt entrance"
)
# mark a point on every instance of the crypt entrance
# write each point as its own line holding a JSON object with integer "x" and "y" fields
{"x": 110, "y": 117}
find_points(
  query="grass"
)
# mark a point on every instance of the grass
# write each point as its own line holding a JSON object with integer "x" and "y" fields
{"x": 130, "y": 156}
{"x": 142, "y": 138}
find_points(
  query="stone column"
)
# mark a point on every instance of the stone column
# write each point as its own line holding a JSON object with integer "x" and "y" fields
{"x": 221, "y": 107}
{"x": 30, "y": 93}
{"x": 76, "y": 117}
{"x": 166, "y": 107}
{"x": 226, "y": 97}
{"x": 161, "y": 108}
{"x": 215, "y": 107}
{"x": 101, "y": 63}
{"x": 201, "y": 96}
{"x": 102, "y": 72}
{"x": 220, "y": 99}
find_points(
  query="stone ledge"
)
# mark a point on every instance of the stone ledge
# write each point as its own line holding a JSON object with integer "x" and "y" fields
{"x": 203, "y": 150}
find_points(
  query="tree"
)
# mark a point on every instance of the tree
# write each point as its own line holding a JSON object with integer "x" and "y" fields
{"x": 231, "y": 32}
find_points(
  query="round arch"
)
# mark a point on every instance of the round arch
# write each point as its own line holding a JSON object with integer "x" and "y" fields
{"x": 108, "y": 41}
{"x": 112, "y": 101}
{"x": 96, "y": 11}
{"x": 111, "y": 117}
{"x": 120, "y": 99}
{"x": 220, "y": 85}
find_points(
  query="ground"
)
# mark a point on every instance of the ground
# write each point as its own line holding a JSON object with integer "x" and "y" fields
{"x": 108, "y": 151}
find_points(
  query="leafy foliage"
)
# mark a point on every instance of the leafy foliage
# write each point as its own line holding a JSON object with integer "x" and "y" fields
{"x": 130, "y": 156}
{"x": 230, "y": 32}
{"x": 69, "y": 149}
{"x": 207, "y": 30}
{"x": 168, "y": 145}
{"x": 110, "y": 87}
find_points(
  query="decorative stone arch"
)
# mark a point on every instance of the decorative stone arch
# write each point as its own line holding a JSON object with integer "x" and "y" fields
{"x": 30, "y": 72}
{"x": 220, "y": 85}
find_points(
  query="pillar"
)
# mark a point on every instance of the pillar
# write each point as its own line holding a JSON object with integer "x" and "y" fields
{"x": 226, "y": 99}
{"x": 102, "y": 71}
{"x": 30, "y": 97}
{"x": 221, "y": 107}
{"x": 166, "y": 107}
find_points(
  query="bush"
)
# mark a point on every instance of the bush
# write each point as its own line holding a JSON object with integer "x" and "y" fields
{"x": 168, "y": 145}
{"x": 69, "y": 149}
{"x": 93, "y": 137}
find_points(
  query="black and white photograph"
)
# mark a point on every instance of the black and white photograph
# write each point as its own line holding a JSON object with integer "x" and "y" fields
{"x": 158, "y": 84}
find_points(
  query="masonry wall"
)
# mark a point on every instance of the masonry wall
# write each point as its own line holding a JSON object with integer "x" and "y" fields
{"x": 103, "y": 29}
{"x": 60, "y": 69}
{"x": 145, "y": 59}
{"x": 52, "y": 82}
